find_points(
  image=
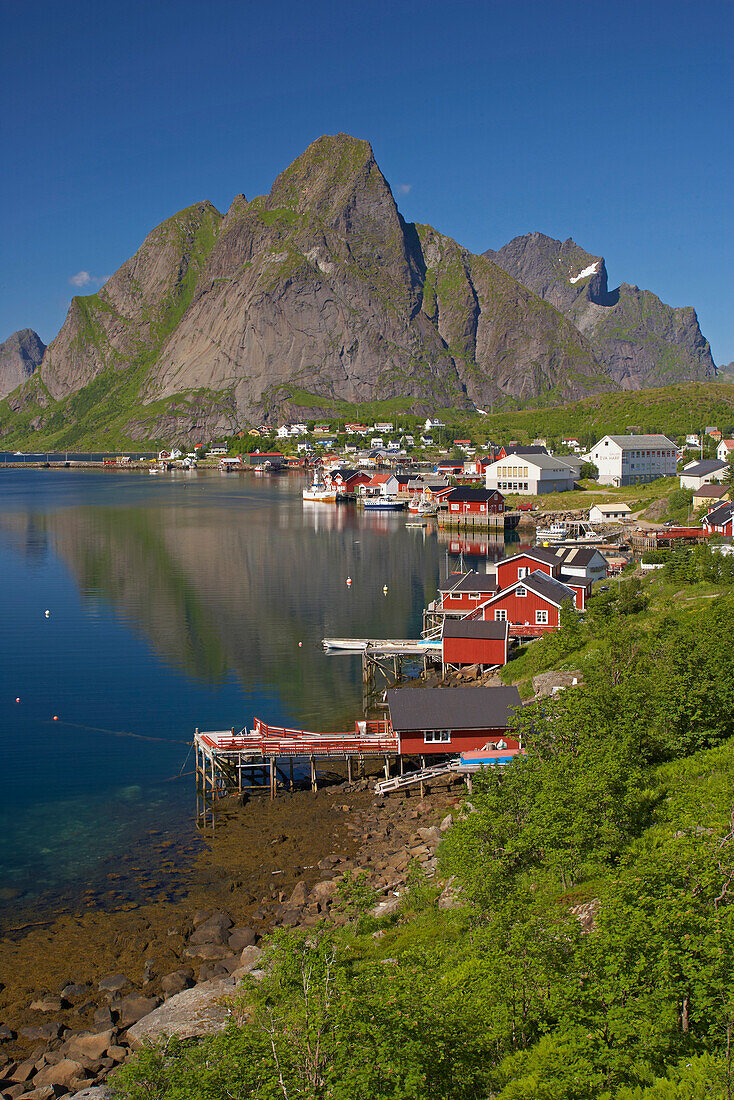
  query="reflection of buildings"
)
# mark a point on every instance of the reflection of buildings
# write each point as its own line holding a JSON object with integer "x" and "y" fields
{"x": 474, "y": 551}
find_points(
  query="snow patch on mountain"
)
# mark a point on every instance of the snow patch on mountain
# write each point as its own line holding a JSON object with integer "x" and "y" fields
{"x": 592, "y": 269}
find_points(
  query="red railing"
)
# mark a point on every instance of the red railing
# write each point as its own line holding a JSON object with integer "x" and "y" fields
{"x": 368, "y": 738}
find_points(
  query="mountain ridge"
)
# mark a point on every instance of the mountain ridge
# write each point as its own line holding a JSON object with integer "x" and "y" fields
{"x": 641, "y": 340}
{"x": 318, "y": 292}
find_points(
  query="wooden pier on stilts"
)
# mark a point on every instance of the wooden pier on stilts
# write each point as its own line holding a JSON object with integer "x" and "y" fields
{"x": 263, "y": 758}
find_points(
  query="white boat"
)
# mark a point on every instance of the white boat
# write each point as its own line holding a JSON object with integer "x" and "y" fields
{"x": 318, "y": 492}
{"x": 383, "y": 504}
{"x": 554, "y": 533}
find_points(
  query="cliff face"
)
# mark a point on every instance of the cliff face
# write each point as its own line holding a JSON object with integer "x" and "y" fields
{"x": 639, "y": 339}
{"x": 20, "y": 354}
{"x": 318, "y": 292}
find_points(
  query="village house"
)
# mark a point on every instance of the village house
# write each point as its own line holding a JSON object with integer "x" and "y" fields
{"x": 468, "y": 500}
{"x": 518, "y": 566}
{"x": 609, "y": 513}
{"x": 462, "y": 594}
{"x": 633, "y": 459}
{"x": 581, "y": 563}
{"x": 725, "y": 450}
{"x": 474, "y": 642}
{"x": 381, "y": 485}
{"x": 346, "y": 481}
{"x": 710, "y": 494}
{"x": 530, "y": 474}
{"x": 719, "y": 520}
{"x": 692, "y": 440}
{"x": 696, "y": 474}
{"x": 450, "y": 721}
{"x": 531, "y": 606}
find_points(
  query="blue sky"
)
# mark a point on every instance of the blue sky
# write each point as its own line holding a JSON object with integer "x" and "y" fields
{"x": 609, "y": 123}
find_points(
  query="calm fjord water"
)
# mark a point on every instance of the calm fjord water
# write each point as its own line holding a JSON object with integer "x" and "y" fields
{"x": 175, "y": 602}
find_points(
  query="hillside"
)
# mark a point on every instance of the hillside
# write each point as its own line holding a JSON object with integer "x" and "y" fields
{"x": 20, "y": 355}
{"x": 641, "y": 340}
{"x": 675, "y": 410}
{"x": 317, "y": 292}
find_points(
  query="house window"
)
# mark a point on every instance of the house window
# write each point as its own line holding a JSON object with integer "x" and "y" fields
{"x": 431, "y": 737}
{"x": 521, "y": 591}
{"x": 500, "y": 615}
{"x": 522, "y": 571}
{"x": 541, "y": 618}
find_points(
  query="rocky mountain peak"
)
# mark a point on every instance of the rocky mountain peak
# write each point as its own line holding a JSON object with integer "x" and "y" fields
{"x": 641, "y": 340}
{"x": 20, "y": 355}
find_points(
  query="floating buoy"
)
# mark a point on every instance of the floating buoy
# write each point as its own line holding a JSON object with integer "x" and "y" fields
{"x": 17, "y": 699}
{"x": 384, "y": 589}
{"x": 56, "y": 717}
{"x": 300, "y": 644}
{"x": 47, "y": 614}
{"x": 349, "y": 581}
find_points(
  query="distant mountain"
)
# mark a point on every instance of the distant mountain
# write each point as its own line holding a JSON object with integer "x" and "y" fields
{"x": 639, "y": 339}
{"x": 315, "y": 293}
{"x": 20, "y": 355}
{"x": 725, "y": 373}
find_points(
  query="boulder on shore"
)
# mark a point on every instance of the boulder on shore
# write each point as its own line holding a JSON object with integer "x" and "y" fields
{"x": 188, "y": 1015}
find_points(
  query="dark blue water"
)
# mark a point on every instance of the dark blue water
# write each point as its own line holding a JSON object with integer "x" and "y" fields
{"x": 175, "y": 602}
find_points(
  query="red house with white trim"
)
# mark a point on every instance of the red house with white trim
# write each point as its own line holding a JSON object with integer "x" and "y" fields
{"x": 527, "y": 562}
{"x": 720, "y": 520}
{"x": 465, "y": 592}
{"x": 448, "y": 721}
{"x": 467, "y": 500}
{"x": 532, "y": 605}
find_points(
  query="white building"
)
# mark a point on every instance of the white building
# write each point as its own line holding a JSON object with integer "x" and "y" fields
{"x": 606, "y": 513}
{"x": 629, "y": 459}
{"x": 725, "y": 450}
{"x": 693, "y": 440}
{"x": 530, "y": 475}
{"x": 696, "y": 474}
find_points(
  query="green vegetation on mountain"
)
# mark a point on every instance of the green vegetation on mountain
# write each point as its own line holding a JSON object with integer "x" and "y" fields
{"x": 591, "y": 957}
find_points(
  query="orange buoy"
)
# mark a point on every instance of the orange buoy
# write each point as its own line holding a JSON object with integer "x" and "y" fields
{"x": 349, "y": 581}
{"x": 56, "y": 717}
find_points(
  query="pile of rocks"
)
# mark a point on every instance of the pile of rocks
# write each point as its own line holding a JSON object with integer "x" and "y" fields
{"x": 51, "y": 1059}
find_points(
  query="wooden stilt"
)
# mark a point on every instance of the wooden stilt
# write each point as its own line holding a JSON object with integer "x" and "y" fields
{"x": 349, "y": 769}
{"x": 291, "y": 770}
{"x": 401, "y": 764}
{"x": 272, "y": 778}
{"x": 387, "y": 766}
{"x": 423, "y": 764}
{"x": 313, "y": 774}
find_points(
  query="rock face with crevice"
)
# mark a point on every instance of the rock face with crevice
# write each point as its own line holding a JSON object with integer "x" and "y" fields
{"x": 639, "y": 339}
{"x": 20, "y": 355}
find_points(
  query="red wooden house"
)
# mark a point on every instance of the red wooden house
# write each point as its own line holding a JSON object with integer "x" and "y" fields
{"x": 532, "y": 605}
{"x": 445, "y": 721}
{"x": 527, "y": 562}
{"x": 345, "y": 480}
{"x": 465, "y": 592}
{"x": 470, "y": 501}
{"x": 719, "y": 520}
{"x": 474, "y": 642}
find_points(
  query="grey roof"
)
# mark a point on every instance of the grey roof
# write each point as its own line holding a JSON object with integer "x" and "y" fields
{"x": 539, "y": 553}
{"x": 471, "y": 494}
{"x": 470, "y": 582}
{"x": 543, "y": 461}
{"x": 641, "y": 441}
{"x": 530, "y": 450}
{"x": 700, "y": 469}
{"x": 722, "y": 513}
{"x": 577, "y": 555}
{"x": 451, "y": 708}
{"x": 474, "y": 628}
{"x": 548, "y": 587}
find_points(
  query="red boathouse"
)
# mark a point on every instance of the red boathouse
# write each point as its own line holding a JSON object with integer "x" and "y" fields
{"x": 433, "y": 721}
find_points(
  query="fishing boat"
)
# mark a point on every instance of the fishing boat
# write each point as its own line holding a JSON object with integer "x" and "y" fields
{"x": 318, "y": 492}
{"x": 422, "y": 507}
{"x": 553, "y": 533}
{"x": 383, "y": 504}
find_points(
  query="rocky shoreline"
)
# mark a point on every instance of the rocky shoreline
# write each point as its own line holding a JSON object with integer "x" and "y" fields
{"x": 78, "y": 996}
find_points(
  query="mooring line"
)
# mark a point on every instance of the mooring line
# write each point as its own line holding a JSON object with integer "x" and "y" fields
{"x": 125, "y": 733}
